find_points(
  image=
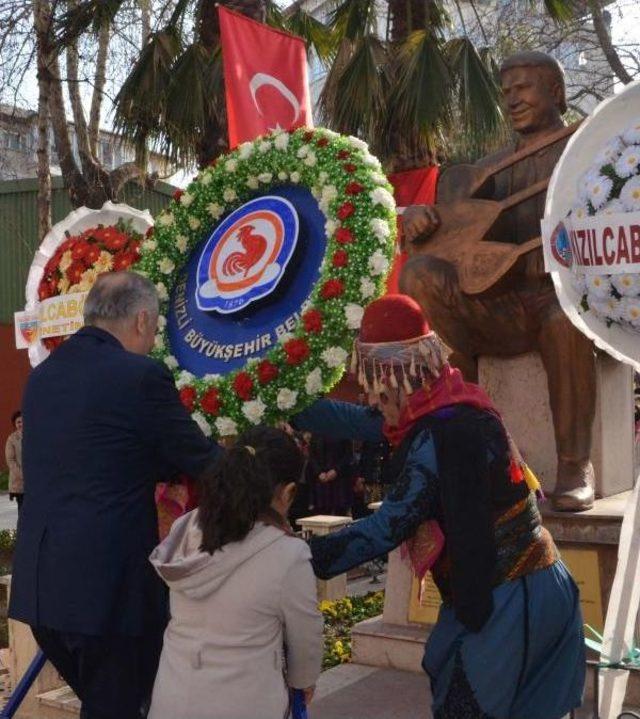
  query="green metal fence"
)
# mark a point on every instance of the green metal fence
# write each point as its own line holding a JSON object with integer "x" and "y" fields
{"x": 19, "y": 229}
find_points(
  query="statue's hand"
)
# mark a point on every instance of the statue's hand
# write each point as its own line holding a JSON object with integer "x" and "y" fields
{"x": 419, "y": 221}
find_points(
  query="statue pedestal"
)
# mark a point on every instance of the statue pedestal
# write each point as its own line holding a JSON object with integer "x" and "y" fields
{"x": 518, "y": 386}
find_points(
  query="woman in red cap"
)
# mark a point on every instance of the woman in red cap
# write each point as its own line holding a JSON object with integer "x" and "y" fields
{"x": 508, "y": 643}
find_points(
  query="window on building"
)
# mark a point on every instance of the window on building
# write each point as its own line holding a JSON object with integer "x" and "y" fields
{"x": 106, "y": 153}
{"x": 14, "y": 140}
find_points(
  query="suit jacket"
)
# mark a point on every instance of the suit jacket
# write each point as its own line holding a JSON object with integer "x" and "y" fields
{"x": 101, "y": 427}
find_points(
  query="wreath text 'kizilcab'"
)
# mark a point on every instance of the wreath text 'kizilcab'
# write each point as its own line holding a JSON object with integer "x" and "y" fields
{"x": 355, "y": 198}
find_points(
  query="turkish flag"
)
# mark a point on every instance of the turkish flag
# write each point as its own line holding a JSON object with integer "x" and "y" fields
{"x": 265, "y": 77}
{"x": 413, "y": 187}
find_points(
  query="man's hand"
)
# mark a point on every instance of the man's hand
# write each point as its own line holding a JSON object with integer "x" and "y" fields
{"x": 419, "y": 220}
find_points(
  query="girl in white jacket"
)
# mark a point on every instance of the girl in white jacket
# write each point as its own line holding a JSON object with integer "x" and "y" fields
{"x": 244, "y": 622}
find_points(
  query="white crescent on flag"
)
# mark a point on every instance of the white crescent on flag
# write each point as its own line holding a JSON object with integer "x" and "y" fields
{"x": 261, "y": 79}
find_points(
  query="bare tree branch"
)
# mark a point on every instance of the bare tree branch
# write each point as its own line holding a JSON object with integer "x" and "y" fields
{"x": 100, "y": 76}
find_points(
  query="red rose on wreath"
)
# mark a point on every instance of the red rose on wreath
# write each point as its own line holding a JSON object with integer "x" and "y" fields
{"x": 346, "y": 210}
{"x": 243, "y": 385}
{"x": 340, "y": 258}
{"x": 350, "y": 167}
{"x": 308, "y": 136}
{"x": 312, "y": 320}
{"x": 267, "y": 372}
{"x": 344, "y": 235}
{"x": 331, "y": 289}
{"x": 75, "y": 272}
{"x": 47, "y": 288}
{"x": 354, "y": 188}
{"x": 188, "y": 397}
{"x": 297, "y": 351}
{"x": 322, "y": 142}
{"x": 123, "y": 260}
{"x": 210, "y": 401}
{"x": 178, "y": 194}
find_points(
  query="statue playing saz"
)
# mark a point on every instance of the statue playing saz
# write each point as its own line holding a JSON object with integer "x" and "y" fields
{"x": 477, "y": 268}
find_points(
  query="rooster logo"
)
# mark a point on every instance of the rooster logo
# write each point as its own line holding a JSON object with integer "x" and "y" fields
{"x": 246, "y": 255}
{"x": 254, "y": 246}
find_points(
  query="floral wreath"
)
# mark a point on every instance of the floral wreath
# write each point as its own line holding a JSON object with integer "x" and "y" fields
{"x": 76, "y": 250}
{"x": 611, "y": 186}
{"x": 355, "y": 198}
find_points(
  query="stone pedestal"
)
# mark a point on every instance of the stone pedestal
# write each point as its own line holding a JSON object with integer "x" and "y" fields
{"x": 320, "y": 525}
{"x": 518, "y": 386}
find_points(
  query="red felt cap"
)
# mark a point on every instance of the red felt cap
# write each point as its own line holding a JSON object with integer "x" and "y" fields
{"x": 393, "y": 318}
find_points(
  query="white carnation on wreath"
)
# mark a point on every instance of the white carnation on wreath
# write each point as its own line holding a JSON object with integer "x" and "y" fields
{"x": 149, "y": 245}
{"x": 295, "y": 177}
{"x": 265, "y": 177}
{"x": 104, "y": 263}
{"x": 378, "y": 178}
{"x": 245, "y": 150}
{"x": 630, "y": 194}
{"x": 380, "y": 228}
{"x": 215, "y": 210}
{"x": 264, "y": 147}
{"x": 201, "y": 421}
{"x": 626, "y": 285}
{"x": 372, "y": 161}
{"x": 165, "y": 219}
{"x": 171, "y": 362}
{"x": 334, "y": 357}
{"x": 282, "y": 175}
{"x": 186, "y": 199}
{"x": 313, "y": 382}
{"x": 330, "y": 226}
{"x": 598, "y": 286}
{"x": 252, "y": 182}
{"x": 229, "y": 194}
{"x": 311, "y": 160}
{"x": 358, "y": 143}
{"x": 162, "y": 322}
{"x": 323, "y": 177}
{"x": 166, "y": 266}
{"x": 161, "y": 289}
{"x": 182, "y": 243}
{"x": 286, "y": 398}
{"x": 184, "y": 379}
{"x": 205, "y": 177}
{"x": 303, "y": 151}
{"x": 281, "y": 141}
{"x": 381, "y": 196}
{"x": 367, "y": 288}
{"x": 194, "y": 223}
{"x": 212, "y": 377}
{"x": 231, "y": 165}
{"x": 226, "y": 427}
{"x": 158, "y": 342}
{"x": 254, "y": 410}
{"x": 378, "y": 263}
{"x": 353, "y": 313}
{"x": 628, "y": 162}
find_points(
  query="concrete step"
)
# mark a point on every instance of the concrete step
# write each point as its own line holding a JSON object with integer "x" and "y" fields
{"x": 59, "y": 703}
{"x": 391, "y": 646}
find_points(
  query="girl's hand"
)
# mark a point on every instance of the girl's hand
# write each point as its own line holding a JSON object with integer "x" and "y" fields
{"x": 308, "y": 694}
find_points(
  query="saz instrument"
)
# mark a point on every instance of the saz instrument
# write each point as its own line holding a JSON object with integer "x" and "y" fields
{"x": 465, "y": 221}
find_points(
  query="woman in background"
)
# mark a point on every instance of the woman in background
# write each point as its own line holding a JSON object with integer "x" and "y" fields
{"x": 240, "y": 583}
{"x": 13, "y": 454}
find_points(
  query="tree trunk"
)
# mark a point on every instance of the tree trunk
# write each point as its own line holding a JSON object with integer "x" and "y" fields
{"x": 44, "y": 168}
{"x": 405, "y": 16}
{"x": 214, "y": 138}
{"x": 104, "y": 37}
{"x": 604, "y": 38}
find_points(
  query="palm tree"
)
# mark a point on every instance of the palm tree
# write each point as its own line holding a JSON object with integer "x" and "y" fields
{"x": 402, "y": 89}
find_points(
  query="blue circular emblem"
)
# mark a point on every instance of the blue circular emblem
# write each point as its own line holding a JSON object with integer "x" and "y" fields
{"x": 246, "y": 255}
{"x": 213, "y": 327}
{"x": 561, "y": 246}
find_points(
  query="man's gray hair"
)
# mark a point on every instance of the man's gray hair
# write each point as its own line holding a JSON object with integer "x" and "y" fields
{"x": 117, "y": 296}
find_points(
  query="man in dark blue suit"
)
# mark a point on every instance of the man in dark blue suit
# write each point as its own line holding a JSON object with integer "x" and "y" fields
{"x": 102, "y": 424}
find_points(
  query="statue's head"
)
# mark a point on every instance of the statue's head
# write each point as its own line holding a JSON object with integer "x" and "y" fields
{"x": 534, "y": 91}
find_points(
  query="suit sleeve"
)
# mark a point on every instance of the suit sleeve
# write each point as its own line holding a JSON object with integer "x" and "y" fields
{"x": 412, "y": 500}
{"x": 303, "y": 622}
{"x": 176, "y": 438}
{"x": 341, "y": 420}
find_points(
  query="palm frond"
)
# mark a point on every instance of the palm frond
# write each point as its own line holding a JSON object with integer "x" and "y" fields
{"x": 140, "y": 104}
{"x": 354, "y": 19}
{"x": 561, "y": 10}
{"x": 90, "y": 14}
{"x": 353, "y": 99}
{"x": 315, "y": 33}
{"x": 476, "y": 92}
{"x": 420, "y": 100}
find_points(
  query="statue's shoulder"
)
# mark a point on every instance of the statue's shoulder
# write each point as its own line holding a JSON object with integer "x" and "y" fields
{"x": 495, "y": 157}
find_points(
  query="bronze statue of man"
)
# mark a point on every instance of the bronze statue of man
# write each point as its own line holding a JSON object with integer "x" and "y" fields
{"x": 520, "y": 312}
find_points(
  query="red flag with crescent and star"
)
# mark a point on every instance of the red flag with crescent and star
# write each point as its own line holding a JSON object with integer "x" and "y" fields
{"x": 265, "y": 73}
